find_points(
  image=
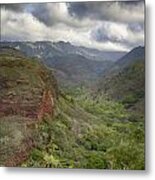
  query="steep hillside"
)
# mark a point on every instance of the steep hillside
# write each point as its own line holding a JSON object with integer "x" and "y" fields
{"x": 28, "y": 92}
{"x": 126, "y": 83}
{"x": 133, "y": 56}
{"x": 76, "y": 70}
{"x": 41, "y": 127}
{"x": 88, "y": 133}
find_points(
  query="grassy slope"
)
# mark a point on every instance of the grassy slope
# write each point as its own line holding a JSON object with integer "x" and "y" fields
{"x": 89, "y": 134}
{"x": 85, "y": 132}
{"x": 127, "y": 86}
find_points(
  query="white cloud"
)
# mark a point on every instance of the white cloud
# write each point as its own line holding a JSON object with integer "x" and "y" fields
{"x": 117, "y": 33}
{"x": 55, "y": 13}
{"x": 21, "y": 26}
{"x": 61, "y": 26}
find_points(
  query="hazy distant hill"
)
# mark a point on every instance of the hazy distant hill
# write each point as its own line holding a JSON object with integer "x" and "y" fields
{"x": 133, "y": 56}
{"x": 76, "y": 69}
{"x": 47, "y": 49}
{"x": 126, "y": 80}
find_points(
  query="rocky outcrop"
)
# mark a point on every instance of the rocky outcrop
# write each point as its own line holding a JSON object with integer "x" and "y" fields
{"x": 28, "y": 92}
{"x": 47, "y": 104}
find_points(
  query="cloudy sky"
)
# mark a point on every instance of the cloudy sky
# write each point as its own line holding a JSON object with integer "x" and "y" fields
{"x": 102, "y": 25}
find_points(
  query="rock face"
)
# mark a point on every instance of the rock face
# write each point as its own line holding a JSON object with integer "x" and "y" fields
{"x": 14, "y": 105}
{"x": 28, "y": 91}
{"x": 47, "y": 104}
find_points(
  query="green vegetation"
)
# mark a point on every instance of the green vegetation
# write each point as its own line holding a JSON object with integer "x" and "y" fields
{"x": 83, "y": 130}
{"x": 127, "y": 86}
{"x": 87, "y": 133}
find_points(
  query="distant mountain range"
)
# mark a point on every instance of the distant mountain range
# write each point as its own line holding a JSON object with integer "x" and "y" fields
{"x": 48, "y": 49}
{"x": 73, "y": 65}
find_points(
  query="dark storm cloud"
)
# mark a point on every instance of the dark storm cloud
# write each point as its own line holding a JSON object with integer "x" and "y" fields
{"x": 79, "y": 9}
{"x": 131, "y": 3}
{"x": 41, "y": 12}
{"x": 14, "y": 7}
{"x": 54, "y": 13}
{"x": 38, "y": 10}
{"x": 136, "y": 27}
{"x": 110, "y": 11}
{"x": 130, "y": 11}
{"x": 104, "y": 34}
{"x": 101, "y": 35}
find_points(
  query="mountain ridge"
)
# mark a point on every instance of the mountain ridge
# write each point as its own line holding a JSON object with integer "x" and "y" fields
{"x": 67, "y": 60}
{"x": 126, "y": 81}
{"x": 62, "y": 45}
